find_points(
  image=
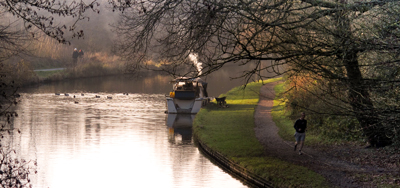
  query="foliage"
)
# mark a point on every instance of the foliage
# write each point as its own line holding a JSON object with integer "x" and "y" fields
{"x": 14, "y": 172}
{"x": 24, "y": 21}
{"x": 380, "y": 157}
{"x": 312, "y": 97}
{"x": 342, "y": 48}
{"x": 9, "y": 41}
{"x": 91, "y": 65}
{"x": 44, "y": 15}
{"x": 8, "y": 92}
{"x": 36, "y": 16}
{"x": 46, "y": 74}
{"x": 19, "y": 73}
{"x": 323, "y": 129}
{"x": 230, "y": 131}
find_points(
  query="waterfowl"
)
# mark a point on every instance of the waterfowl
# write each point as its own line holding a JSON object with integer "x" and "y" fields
{"x": 108, "y": 97}
{"x": 66, "y": 94}
{"x": 82, "y": 94}
{"x": 97, "y": 96}
{"x": 57, "y": 94}
{"x": 76, "y": 102}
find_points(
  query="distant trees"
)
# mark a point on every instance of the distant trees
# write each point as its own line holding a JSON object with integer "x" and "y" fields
{"x": 44, "y": 15}
{"x": 21, "y": 20}
{"x": 36, "y": 16}
{"x": 347, "y": 50}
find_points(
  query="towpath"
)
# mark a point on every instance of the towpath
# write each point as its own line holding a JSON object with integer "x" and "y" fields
{"x": 338, "y": 171}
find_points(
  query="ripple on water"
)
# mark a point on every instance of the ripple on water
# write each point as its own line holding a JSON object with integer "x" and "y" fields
{"x": 118, "y": 142}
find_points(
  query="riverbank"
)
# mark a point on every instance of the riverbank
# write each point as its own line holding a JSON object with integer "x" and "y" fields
{"x": 89, "y": 70}
{"x": 245, "y": 134}
{"x": 230, "y": 131}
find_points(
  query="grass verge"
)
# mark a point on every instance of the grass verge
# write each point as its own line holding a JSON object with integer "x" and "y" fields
{"x": 230, "y": 131}
{"x": 46, "y": 74}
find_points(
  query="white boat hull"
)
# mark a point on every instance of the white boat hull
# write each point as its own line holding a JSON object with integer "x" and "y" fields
{"x": 177, "y": 106}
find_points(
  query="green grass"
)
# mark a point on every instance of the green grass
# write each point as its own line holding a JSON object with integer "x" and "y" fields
{"x": 81, "y": 71}
{"x": 230, "y": 131}
{"x": 46, "y": 74}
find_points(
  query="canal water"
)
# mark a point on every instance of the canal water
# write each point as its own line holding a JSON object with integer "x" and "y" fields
{"x": 116, "y": 140}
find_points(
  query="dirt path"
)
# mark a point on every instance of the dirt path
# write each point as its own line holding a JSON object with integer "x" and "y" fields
{"x": 337, "y": 171}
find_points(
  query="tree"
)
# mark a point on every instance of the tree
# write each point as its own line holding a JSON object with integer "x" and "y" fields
{"x": 35, "y": 16}
{"x": 336, "y": 42}
{"x": 44, "y": 15}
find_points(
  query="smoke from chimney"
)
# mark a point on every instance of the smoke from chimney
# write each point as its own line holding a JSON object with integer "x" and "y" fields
{"x": 194, "y": 58}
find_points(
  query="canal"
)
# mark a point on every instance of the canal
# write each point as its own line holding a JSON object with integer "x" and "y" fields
{"x": 116, "y": 140}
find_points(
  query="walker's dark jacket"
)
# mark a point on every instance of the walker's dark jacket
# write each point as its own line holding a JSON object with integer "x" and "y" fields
{"x": 75, "y": 55}
{"x": 300, "y": 124}
{"x": 80, "y": 53}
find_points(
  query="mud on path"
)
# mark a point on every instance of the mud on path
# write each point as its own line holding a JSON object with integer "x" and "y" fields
{"x": 339, "y": 165}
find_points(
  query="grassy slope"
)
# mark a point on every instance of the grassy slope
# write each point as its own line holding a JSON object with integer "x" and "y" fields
{"x": 230, "y": 131}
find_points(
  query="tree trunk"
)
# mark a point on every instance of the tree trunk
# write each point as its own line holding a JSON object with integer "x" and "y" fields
{"x": 362, "y": 105}
{"x": 359, "y": 97}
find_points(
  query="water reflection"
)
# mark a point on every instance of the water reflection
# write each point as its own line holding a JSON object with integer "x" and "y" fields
{"x": 125, "y": 141}
{"x": 180, "y": 128}
{"x": 217, "y": 84}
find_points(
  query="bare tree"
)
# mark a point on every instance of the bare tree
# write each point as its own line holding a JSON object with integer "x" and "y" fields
{"x": 45, "y": 15}
{"x": 9, "y": 42}
{"x": 35, "y": 16}
{"x": 335, "y": 41}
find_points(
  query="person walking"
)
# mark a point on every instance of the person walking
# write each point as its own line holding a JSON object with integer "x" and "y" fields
{"x": 80, "y": 53}
{"x": 75, "y": 58}
{"x": 80, "y": 56}
{"x": 300, "y": 126}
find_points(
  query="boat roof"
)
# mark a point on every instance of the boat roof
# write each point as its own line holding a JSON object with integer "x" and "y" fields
{"x": 190, "y": 79}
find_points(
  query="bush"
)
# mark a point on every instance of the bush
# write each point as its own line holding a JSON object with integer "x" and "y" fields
{"x": 14, "y": 172}
{"x": 328, "y": 116}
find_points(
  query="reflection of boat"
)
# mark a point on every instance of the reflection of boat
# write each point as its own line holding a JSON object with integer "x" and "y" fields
{"x": 188, "y": 96}
{"x": 180, "y": 120}
{"x": 180, "y": 125}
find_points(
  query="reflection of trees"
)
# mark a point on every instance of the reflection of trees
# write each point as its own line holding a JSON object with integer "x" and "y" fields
{"x": 189, "y": 165}
{"x": 55, "y": 129}
{"x": 22, "y": 22}
{"x": 182, "y": 151}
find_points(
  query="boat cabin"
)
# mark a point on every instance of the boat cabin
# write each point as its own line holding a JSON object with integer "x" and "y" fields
{"x": 189, "y": 88}
{"x": 188, "y": 95}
